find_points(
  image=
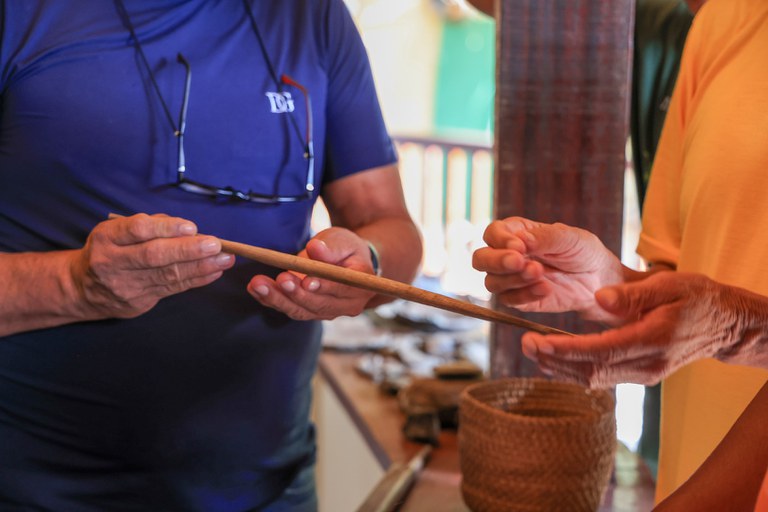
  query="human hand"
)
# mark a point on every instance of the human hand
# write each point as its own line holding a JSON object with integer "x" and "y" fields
{"x": 310, "y": 298}
{"x": 672, "y": 319}
{"x": 128, "y": 264}
{"x": 533, "y": 266}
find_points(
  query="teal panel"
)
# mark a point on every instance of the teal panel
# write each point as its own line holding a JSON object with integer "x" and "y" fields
{"x": 466, "y": 76}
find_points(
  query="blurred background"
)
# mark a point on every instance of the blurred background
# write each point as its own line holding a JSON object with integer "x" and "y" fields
{"x": 434, "y": 66}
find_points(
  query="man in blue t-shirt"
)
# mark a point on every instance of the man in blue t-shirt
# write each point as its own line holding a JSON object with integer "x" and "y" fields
{"x": 137, "y": 372}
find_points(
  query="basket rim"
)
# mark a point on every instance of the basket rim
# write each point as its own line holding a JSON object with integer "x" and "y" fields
{"x": 601, "y": 396}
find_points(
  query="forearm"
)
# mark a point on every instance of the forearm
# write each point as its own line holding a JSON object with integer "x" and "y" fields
{"x": 749, "y": 334}
{"x": 730, "y": 478}
{"x": 37, "y": 291}
{"x": 371, "y": 204}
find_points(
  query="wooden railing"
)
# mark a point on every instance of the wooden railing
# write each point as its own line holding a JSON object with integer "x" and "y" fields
{"x": 448, "y": 185}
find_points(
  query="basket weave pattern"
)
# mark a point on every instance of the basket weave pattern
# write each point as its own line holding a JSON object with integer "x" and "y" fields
{"x": 530, "y": 444}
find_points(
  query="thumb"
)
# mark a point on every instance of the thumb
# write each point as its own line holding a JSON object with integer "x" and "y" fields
{"x": 319, "y": 250}
{"x": 633, "y": 299}
{"x": 551, "y": 238}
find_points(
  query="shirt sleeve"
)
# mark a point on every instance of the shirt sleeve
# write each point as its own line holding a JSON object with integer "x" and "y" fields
{"x": 357, "y": 138}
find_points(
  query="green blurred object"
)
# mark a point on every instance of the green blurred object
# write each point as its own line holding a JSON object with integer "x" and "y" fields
{"x": 660, "y": 30}
{"x": 466, "y": 77}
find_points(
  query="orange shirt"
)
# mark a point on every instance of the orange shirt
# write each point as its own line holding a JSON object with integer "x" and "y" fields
{"x": 707, "y": 211}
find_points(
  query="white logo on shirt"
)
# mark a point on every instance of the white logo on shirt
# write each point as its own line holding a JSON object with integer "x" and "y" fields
{"x": 280, "y": 102}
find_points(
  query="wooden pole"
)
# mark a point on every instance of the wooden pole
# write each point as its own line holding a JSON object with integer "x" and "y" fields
{"x": 562, "y": 103}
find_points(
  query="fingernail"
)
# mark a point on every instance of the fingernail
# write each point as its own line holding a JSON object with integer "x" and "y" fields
{"x": 210, "y": 246}
{"x": 510, "y": 261}
{"x": 527, "y": 273}
{"x": 262, "y": 290}
{"x": 545, "y": 348}
{"x": 288, "y": 286}
{"x": 529, "y": 351}
{"x": 224, "y": 259}
{"x": 313, "y": 286}
{"x": 187, "y": 229}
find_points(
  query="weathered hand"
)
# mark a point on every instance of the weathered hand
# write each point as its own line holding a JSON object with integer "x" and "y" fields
{"x": 128, "y": 264}
{"x": 310, "y": 298}
{"x": 546, "y": 267}
{"x": 672, "y": 319}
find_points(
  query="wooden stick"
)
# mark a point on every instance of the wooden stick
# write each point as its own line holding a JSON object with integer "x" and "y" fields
{"x": 377, "y": 284}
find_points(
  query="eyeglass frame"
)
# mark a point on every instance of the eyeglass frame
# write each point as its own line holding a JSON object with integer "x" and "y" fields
{"x": 196, "y": 187}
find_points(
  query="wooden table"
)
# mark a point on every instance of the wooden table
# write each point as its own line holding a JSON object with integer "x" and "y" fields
{"x": 380, "y": 421}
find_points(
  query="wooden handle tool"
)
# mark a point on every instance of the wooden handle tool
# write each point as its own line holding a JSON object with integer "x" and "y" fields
{"x": 389, "y": 493}
{"x": 377, "y": 284}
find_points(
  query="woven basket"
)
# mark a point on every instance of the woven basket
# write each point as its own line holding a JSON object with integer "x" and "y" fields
{"x": 530, "y": 444}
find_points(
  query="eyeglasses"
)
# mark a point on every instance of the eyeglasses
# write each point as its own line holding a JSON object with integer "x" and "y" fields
{"x": 196, "y": 187}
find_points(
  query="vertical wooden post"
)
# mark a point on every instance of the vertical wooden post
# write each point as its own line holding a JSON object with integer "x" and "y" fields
{"x": 562, "y": 96}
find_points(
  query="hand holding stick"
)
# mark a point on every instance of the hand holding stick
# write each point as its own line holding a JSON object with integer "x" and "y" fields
{"x": 376, "y": 284}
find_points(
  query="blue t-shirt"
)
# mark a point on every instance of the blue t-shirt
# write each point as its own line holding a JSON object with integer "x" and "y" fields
{"x": 202, "y": 403}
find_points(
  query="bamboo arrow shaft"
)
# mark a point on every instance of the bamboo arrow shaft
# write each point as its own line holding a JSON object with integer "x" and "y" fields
{"x": 380, "y": 285}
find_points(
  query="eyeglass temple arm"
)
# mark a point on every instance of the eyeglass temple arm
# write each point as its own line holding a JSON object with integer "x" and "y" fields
{"x": 309, "y": 142}
{"x": 183, "y": 115}
{"x": 290, "y": 81}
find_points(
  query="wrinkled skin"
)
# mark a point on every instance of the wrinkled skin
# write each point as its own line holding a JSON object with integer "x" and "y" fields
{"x": 533, "y": 266}
{"x": 664, "y": 319}
{"x": 128, "y": 264}
{"x": 671, "y": 319}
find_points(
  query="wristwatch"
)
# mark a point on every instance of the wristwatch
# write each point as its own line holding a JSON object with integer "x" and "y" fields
{"x": 375, "y": 259}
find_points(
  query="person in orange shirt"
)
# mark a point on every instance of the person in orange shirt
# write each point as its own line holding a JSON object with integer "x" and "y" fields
{"x": 661, "y": 27}
{"x": 704, "y": 217}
